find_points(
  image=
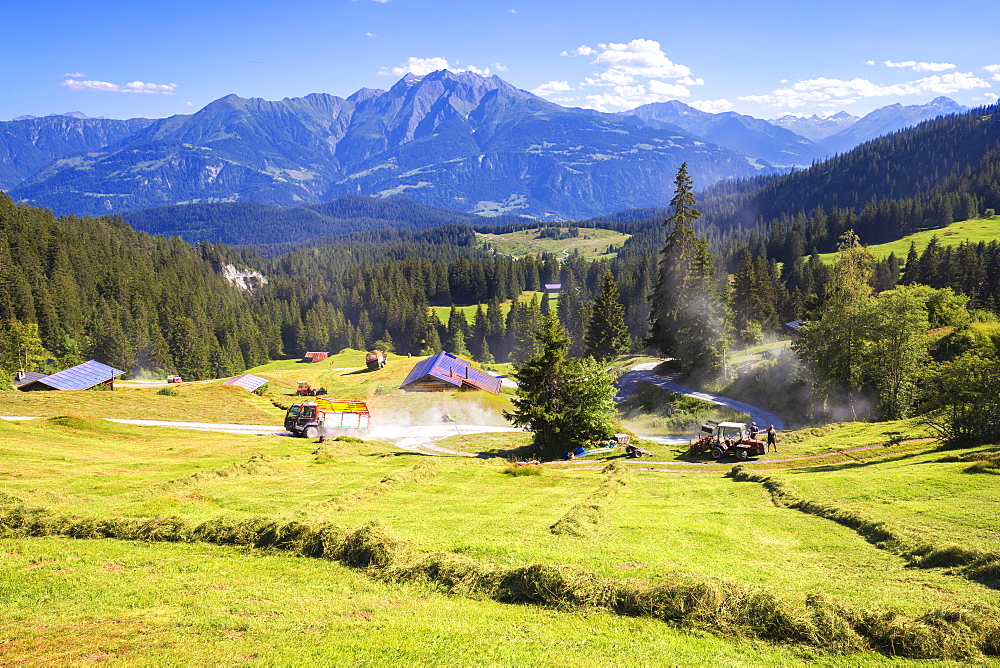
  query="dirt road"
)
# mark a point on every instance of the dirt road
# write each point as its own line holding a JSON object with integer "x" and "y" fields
{"x": 628, "y": 383}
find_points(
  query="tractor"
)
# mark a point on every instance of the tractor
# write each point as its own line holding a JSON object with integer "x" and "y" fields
{"x": 723, "y": 439}
{"x": 375, "y": 360}
{"x": 324, "y": 418}
{"x": 306, "y": 390}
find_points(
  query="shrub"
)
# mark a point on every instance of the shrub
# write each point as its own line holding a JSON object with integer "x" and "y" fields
{"x": 518, "y": 469}
{"x": 168, "y": 392}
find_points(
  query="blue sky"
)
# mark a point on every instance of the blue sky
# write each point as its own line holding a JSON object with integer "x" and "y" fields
{"x": 126, "y": 59}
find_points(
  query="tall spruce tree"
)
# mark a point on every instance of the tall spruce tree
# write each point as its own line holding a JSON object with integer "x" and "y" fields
{"x": 687, "y": 315}
{"x": 607, "y": 334}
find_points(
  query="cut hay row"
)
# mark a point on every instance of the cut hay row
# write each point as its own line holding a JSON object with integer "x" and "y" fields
{"x": 977, "y": 565}
{"x": 584, "y": 518}
{"x": 258, "y": 465}
{"x": 724, "y": 608}
{"x": 420, "y": 472}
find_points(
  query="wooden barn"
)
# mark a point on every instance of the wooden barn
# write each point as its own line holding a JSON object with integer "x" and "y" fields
{"x": 444, "y": 373}
{"x": 84, "y": 376}
{"x": 315, "y": 356}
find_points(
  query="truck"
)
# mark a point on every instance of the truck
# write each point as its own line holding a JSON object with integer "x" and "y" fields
{"x": 723, "y": 439}
{"x": 328, "y": 418}
{"x": 375, "y": 360}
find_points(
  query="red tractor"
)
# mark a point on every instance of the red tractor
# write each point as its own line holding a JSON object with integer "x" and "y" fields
{"x": 723, "y": 439}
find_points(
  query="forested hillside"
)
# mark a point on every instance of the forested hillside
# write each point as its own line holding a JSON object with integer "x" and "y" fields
{"x": 255, "y": 224}
{"x": 928, "y": 176}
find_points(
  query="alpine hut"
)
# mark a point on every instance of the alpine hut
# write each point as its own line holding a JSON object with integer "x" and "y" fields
{"x": 444, "y": 372}
{"x": 315, "y": 356}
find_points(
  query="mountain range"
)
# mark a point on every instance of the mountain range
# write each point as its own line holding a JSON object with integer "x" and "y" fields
{"x": 456, "y": 140}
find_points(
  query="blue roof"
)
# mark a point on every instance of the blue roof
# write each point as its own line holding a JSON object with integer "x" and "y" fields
{"x": 247, "y": 381}
{"x": 81, "y": 377}
{"x": 445, "y": 366}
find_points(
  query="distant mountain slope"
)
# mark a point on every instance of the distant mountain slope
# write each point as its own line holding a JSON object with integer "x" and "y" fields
{"x": 886, "y": 120}
{"x": 744, "y": 134}
{"x": 29, "y": 144}
{"x": 456, "y": 140}
{"x": 815, "y": 127}
{"x": 251, "y": 223}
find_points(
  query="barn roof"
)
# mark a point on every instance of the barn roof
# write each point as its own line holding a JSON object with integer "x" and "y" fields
{"x": 28, "y": 377}
{"x": 247, "y": 381}
{"x": 80, "y": 377}
{"x": 450, "y": 369}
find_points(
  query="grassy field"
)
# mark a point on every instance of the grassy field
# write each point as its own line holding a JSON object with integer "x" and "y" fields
{"x": 648, "y": 562}
{"x": 971, "y": 231}
{"x": 593, "y": 243}
{"x": 444, "y": 312}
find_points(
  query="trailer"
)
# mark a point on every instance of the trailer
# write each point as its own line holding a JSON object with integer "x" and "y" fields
{"x": 375, "y": 360}
{"x": 328, "y": 418}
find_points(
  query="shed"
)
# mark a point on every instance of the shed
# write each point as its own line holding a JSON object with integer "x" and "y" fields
{"x": 315, "y": 356}
{"x": 793, "y": 328}
{"x": 248, "y": 382}
{"x": 553, "y": 287}
{"x": 444, "y": 372}
{"x": 80, "y": 377}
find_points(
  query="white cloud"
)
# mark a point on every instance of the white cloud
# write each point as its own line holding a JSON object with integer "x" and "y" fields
{"x": 552, "y": 87}
{"x": 189, "y": 104}
{"x": 713, "y": 106}
{"x": 628, "y": 97}
{"x": 869, "y": 62}
{"x": 381, "y": 1}
{"x": 921, "y": 66}
{"x": 370, "y": 34}
{"x": 512, "y": 11}
{"x": 988, "y": 98}
{"x": 132, "y": 87}
{"x": 992, "y": 68}
{"x": 837, "y": 92}
{"x": 499, "y": 67}
{"x": 74, "y": 75}
{"x": 638, "y": 58}
{"x": 579, "y": 51}
{"x": 423, "y": 66}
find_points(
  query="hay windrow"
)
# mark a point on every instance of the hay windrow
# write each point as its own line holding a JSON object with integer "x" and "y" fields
{"x": 584, "y": 519}
{"x": 420, "y": 472}
{"x": 977, "y": 565}
{"x": 724, "y": 608}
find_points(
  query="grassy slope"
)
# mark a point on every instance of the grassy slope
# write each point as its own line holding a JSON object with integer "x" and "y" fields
{"x": 591, "y": 244}
{"x": 61, "y": 597}
{"x": 972, "y": 231}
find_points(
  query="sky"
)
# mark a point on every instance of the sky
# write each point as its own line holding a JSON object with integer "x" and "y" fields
{"x": 767, "y": 58}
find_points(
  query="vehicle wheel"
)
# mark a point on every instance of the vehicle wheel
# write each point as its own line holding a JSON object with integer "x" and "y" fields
{"x": 742, "y": 454}
{"x": 310, "y": 432}
{"x": 717, "y": 452}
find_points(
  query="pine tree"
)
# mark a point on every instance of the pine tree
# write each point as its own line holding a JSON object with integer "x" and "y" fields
{"x": 607, "y": 334}
{"x": 687, "y": 317}
{"x": 567, "y": 402}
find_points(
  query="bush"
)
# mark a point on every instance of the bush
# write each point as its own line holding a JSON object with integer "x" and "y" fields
{"x": 518, "y": 469}
{"x": 168, "y": 392}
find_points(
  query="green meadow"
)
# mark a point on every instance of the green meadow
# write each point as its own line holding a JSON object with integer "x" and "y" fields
{"x": 971, "y": 231}
{"x": 593, "y": 243}
{"x": 144, "y": 545}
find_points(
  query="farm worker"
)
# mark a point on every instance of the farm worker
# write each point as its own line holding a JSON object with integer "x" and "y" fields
{"x": 772, "y": 439}
{"x": 753, "y": 430}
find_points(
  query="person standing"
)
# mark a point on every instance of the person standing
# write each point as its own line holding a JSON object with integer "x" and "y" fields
{"x": 772, "y": 439}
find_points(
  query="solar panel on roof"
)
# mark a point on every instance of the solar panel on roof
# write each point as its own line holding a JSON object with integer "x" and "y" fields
{"x": 248, "y": 382}
{"x": 450, "y": 369}
{"x": 82, "y": 376}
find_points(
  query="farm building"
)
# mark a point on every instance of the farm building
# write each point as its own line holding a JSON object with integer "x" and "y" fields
{"x": 444, "y": 372}
{"x": 315, "y": 356}
{"x": 25, "y": 377}
{"x": 84, "y": 376}
{"x": 248, "y": 382}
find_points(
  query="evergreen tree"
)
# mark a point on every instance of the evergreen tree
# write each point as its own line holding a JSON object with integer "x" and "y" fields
{"x": 21, "y": 347}
{"x": 566, "y": 402}
{"x": 607, "y": 334}
{"x": 687, "y": 315}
